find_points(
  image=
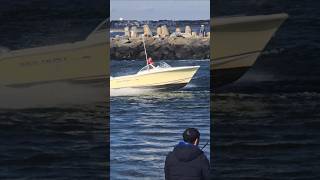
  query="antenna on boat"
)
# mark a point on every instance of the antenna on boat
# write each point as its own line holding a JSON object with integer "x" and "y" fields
{"x": 145, "y": 50}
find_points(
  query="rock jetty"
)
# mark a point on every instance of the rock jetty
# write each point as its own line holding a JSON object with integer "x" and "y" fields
{"x": 161, "y": 45}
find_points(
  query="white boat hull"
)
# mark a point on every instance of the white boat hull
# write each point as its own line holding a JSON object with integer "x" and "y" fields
{"x": 171, "y": 78}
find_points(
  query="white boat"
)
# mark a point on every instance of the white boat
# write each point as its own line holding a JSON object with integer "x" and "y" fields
{"x": 237, "y": 42}
{"x": 156, "y": 76}
{"x": 83, "y": 61}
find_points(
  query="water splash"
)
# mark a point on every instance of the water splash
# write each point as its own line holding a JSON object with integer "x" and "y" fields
{"x": 130, "y": 92}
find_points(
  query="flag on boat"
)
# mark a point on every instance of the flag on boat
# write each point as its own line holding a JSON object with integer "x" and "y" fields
{"x": 149, "y": 61}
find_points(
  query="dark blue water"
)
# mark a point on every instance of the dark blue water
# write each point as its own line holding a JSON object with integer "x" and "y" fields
{"x": 57, "y": 142}
{"x": 266, "y": 125}
{"x": 145, "y": 126}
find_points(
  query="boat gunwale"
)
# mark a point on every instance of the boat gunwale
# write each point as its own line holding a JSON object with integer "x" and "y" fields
{"x": 164, "y": 70}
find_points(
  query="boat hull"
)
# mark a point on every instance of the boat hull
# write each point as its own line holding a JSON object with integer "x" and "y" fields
{"x": 165, "y": 87}
{"x": 237, "y": 43}
{"x": 173, "y": 78}
{"x": 75, "y": 62}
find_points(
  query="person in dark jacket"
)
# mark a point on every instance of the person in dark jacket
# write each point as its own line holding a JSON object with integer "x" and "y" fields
{"x": 187, "y": 161}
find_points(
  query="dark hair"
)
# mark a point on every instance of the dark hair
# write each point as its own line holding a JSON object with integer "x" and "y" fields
{"x": 190, "y": 135}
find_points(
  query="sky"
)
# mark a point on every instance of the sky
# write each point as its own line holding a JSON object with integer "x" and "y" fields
{"x": 160, "y": 9}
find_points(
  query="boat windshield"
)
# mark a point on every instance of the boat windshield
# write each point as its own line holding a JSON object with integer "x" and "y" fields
{"x": 159, "y": 65}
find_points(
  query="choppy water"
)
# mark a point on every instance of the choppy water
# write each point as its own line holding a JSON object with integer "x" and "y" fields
{"x": 274, "y": 136}
{"x": 145, "y": 126}
{"x": 58, "y": 142}
{"x": 266, "y": 125}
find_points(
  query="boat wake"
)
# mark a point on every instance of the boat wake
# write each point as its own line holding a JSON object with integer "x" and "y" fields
{"x": 190, "y": 86}
{"x": 130, "y": 92}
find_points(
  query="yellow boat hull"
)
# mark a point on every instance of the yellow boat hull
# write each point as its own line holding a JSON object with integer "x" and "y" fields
{"x": 83, "y": 60}
{"x": 172, "y": 78}
{"x": 237, "y": 42}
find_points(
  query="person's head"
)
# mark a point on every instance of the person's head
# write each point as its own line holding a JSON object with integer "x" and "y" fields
{"x": 191, "y": 135}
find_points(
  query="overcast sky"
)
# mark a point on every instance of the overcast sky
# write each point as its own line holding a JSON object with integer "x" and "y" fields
{"x": 160, "y": 9}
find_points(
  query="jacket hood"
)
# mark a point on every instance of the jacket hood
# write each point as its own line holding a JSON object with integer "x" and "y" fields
{"x": 186, "y": 152}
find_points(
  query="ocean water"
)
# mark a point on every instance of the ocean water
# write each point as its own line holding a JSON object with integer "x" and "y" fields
{"x": 266, "y": 125}
{"x": 146, "y": 125}
{"x": 57, "y": 142}
{"x": 273, "y": 136}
